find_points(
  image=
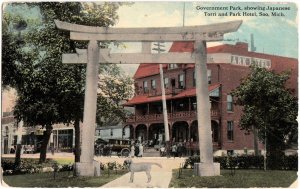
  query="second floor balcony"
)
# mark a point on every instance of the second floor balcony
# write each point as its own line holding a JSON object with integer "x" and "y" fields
{"x": 176, "y": 116}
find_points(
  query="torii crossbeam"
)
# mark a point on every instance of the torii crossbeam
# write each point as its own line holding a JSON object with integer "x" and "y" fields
{"x": 93, "y": 56}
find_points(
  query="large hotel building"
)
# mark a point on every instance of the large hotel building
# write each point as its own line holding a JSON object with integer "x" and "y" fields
{"x": 227, "y": 65}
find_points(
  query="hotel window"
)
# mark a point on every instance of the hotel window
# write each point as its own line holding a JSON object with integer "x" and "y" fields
{"x": 230, "y": 130}
{"x": 173, "y": 66}
{"x": 209, "y": 76}
{"x": 181, "y": 81}
{"x": 166, "y": 82}
{"x": 145, "y": 86}
{"x": 229, "y": 103}
{"x": 194, "y": 79}
{"x": 153, "y": 84}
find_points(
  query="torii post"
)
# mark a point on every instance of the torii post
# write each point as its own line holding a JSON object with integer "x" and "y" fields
{"x": 93, "y": 56}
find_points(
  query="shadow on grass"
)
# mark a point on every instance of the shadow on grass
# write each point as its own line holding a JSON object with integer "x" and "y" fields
{"x": 241, "y": 179}
{"x": 62, "y": 180}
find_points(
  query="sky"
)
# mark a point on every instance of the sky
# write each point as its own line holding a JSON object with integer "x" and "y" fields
{"x": 276, "y": 35}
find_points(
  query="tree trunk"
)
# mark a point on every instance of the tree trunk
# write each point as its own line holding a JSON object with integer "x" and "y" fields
{"x": 18, "y": 155}
{"x": 19, "y": 144}
{"x": 77, "y": 149}
{"x": 45, "y": 142}
{"x": 255, "y": 140}
{"x": 275, "y": 151}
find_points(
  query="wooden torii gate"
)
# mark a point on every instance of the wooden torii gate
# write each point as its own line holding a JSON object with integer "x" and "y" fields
{"x": 93, "y": 56}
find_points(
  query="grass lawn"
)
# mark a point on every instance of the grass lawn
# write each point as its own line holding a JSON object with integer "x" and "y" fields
{"x": 67, "y": 160}
{"x": 241, "y": 179}
{"x": 63, "y": 179}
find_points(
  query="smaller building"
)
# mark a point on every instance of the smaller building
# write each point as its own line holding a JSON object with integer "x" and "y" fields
{"x": 8, "y": 130}
{"x": 112, "y": 132}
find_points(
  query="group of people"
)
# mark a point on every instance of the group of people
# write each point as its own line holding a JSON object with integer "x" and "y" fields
{"x": 26, "y": 149}
{"x": 175, "y": 150}
{"x": 136, "y": 149}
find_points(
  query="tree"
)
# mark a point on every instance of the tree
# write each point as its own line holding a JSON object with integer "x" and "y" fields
{"x": 50, "y": 92}
{"x": 269, "y": 107}
{"x": 113, "y": 89}
{"x": 11, "y": 55}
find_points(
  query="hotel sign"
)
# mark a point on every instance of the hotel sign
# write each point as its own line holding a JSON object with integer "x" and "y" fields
{"x": 247, "y": 61}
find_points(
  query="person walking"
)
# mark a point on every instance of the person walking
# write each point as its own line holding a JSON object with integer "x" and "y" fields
{"x": 174, "y": 150}
{"x": 132, "y": 150}
{"x": 179, "y": 149}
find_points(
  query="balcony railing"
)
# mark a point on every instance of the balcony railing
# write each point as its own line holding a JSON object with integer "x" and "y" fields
{"x": 171, "y": 116}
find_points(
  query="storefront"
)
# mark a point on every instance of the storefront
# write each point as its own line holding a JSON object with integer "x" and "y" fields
{"x": 63, "y": 140}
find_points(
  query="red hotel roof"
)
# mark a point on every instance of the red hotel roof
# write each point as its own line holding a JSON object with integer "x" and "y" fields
{"x": 279, "y": 63}
{"x": 141, "y": 99}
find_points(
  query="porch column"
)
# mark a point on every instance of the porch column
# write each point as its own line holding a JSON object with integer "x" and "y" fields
{"x": 147, "y": 132}
{"x": 189, "y": 105}
{"x": 133, "y": 128}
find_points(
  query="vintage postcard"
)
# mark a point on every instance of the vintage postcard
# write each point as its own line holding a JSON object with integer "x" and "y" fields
{"x": 139, "y": 94}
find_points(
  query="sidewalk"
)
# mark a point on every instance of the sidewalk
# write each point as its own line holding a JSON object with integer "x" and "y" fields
{"x": 160, "y": 179}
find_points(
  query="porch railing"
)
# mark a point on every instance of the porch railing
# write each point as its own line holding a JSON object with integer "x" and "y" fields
{"x": 176, "y": 115}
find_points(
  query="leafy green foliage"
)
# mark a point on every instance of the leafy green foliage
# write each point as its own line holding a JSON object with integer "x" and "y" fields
{"x": 269, "y": 107}
{"x": 249, "y": 161}
{"x": 50, "y": 92}
{"x": 26, "y": 166}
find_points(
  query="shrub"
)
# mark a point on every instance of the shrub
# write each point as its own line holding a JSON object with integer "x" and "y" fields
{"x": 31, "y": 166}
{"x": 291, "y": 162}
{"x": 191, "y": 161}
{"x": 222, "y": 160}
{"x": 112, "y": 166}
{"x": 249, "y": 161}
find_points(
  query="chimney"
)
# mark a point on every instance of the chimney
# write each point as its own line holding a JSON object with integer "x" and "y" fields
{"x": 252, "y": 48}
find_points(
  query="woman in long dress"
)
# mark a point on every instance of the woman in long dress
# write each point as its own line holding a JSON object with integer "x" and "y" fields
{"x": 141, "y": 150}
{"x": 132, "y": 151}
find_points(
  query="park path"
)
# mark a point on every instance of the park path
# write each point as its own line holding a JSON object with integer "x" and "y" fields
{"x": 161, "y": 177}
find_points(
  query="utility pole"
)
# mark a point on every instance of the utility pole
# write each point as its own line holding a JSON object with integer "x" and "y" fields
{"x": 163, "y": 92}
{"x": 255, "y": 137}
